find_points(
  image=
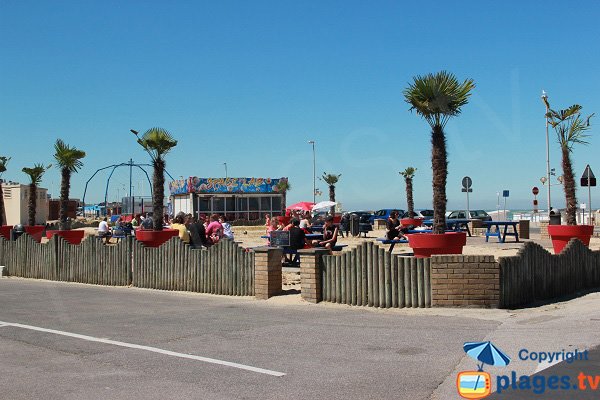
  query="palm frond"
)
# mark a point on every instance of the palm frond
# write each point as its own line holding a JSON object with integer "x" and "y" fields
{"x": 68, "y": 157}
{"x": 3, "y": 162}
{"x": 408, "y": 173}
{"x": 283, "y": 186}
{"x": 157, "y": 141}
{"x": 36, "y": 173}
{"x": 330, "y": 179}
{"x": 437, "y": 97}
{"x": 569, "y": 126}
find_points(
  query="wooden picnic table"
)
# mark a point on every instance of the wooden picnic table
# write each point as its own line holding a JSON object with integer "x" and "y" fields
{"x": 501, "y": 234}
{"x": 453, "y": 225}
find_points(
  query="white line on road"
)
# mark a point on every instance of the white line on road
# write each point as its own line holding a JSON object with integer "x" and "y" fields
{"x": 147, "y": 348}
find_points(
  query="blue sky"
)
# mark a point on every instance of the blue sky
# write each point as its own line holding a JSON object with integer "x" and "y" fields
{"x": 249, "y": 83}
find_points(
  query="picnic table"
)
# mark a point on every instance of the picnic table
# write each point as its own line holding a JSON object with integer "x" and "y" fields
{"x": 453, "y": 225}
{"x": 501, "y": 234}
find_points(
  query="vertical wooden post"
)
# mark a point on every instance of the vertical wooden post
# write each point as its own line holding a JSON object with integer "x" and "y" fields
{"x": 267, "y": 272}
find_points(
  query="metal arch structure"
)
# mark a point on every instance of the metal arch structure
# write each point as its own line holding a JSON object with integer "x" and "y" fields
{"x": 129, "y": 164}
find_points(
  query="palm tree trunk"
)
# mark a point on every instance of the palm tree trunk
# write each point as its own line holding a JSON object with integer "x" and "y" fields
{"x": 409, "y": 198}
{"x": 439, "y": 165}
{"x": 158, "y": 182}
{"x": 65, "y": 186}
{"x": 32, "y": 203}
{"x": 569, "y": 184}
{"x": 283, "y": 201}
{"x": 2, "y": 216}
{"x": 332, "y": 198}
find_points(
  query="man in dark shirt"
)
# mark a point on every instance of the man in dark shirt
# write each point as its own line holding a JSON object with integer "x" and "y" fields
{"x": 297, "y": 236}
{"x": 197, "y": 233}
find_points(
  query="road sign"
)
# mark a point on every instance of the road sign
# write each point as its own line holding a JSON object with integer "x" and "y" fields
{"x": 588, "y": 178}
{"x": 465, "y": 190}
{"x": 535, "y": 190}
{"x": 505, "y": 193}
{"x": 467, "y": 182}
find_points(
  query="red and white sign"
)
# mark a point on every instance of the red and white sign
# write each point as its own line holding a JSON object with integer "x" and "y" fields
{"x": 535, "y": 190}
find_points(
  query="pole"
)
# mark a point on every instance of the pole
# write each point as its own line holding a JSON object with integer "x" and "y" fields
{"x": 314, "y": 171}
{"x": 468, "y": 210}
{"x": 505, "y": 209}
{"x": 589, "y": 201}
{"x": 130, "y": 186}
{"x": 225, "y": 164}
{"x": 498, "y": 206}
{"x": 545, "y": 98}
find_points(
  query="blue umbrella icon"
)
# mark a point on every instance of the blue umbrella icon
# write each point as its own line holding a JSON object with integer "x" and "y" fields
{"x": 487, "y": 353}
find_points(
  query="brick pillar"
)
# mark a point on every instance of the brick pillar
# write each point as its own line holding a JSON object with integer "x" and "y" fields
{"x": 544, "y": 230}
{"x": 465, "y": 281}
{"x": 310, "y": 274}
{"x": 267, "y": 272}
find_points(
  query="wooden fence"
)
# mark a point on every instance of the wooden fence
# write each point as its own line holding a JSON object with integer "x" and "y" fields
{"x": 224, "y": 269}
{"x": 58, "y": 260}
{"x": 534, "y": 274}
{"x": 369, "y": 275}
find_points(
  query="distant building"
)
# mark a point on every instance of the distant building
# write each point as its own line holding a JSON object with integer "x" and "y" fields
{"x": 237, "y": 198}
{"x": 54, "y": 209}
{"x": 16, "y": 203}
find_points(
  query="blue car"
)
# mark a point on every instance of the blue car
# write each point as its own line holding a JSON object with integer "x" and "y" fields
{"x": 384, "y": 214}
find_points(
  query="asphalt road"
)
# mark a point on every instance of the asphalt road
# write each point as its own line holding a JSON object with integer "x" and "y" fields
{"x": 328, "y": 352}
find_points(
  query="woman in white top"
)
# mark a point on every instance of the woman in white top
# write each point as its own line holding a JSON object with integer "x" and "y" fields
{"x": 305, "y": 222}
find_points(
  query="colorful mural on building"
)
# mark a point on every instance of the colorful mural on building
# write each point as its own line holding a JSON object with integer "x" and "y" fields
{"x": 224, "y": 185}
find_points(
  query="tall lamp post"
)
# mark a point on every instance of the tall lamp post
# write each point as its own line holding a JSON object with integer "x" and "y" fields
{"x": 545, "y": 100}
{"x": 314, "y": 171}
{"x": 225, "y": 164}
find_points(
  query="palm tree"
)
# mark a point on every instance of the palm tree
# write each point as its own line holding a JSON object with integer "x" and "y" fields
{"x": 409, "y": 174}
{"x": 35, "y": 174}
{"x": 69, "y": 160}
{"x": 157, "y": 142}
{"x": 331, "y": 180}
{"x": 282, "y": 187}
{"x": 438, "y": 97}
{"x": 3, "y": 161}
{"x": 570, "y": 129}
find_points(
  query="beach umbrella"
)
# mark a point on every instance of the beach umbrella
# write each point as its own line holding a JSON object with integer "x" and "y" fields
{"x": 323, "y": 205}
{"x": 486, "y": 353}
{"x": 303, "y": 206}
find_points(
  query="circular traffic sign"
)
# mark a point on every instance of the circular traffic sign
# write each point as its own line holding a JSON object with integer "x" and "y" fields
{"x": 467, "y": 182}
{"x": 535, "y": 190}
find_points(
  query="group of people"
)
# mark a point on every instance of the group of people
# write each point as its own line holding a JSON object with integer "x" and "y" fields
{"x": 299, "y": 228}
{"x": 197, "y": 232}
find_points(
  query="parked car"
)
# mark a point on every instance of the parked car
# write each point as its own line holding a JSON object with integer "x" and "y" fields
{"x": 383, "y": 214}
{"x": 423, "y": 213}
{"x": 475, "y": 214}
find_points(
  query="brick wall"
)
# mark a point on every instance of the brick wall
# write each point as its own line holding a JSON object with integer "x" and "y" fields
{"x": 465, "y": 281}
{"x": 267, "y": 272}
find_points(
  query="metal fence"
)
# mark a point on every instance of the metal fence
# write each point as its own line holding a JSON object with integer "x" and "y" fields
{"x": 535, "y": 275}
{"x": 368, "y": 275}
{"x": 225, "y": 268}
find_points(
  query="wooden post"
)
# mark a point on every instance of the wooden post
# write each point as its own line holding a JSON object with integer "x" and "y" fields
{"x": 267, "y": 272}
{"x": 310, "y": 274}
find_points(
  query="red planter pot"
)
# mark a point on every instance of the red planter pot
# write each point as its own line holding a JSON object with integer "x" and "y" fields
{"x": 562, "y": 234}
{"x": 73, "y": 237}
{"x": 5, "y": 231}
{"x": 35, "y": 231}
{"x": 428, "y": 244}
{"x": 411, "y": 221}
{"x": 155, "y": 238}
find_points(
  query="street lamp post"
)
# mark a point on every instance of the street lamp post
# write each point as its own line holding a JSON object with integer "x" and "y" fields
{"x": 314, "y": 171}
{"x": 545, "y": 100}
{"x": 225, "y": 164}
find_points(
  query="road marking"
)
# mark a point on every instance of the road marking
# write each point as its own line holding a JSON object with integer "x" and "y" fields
{"x": 147, "y": 348}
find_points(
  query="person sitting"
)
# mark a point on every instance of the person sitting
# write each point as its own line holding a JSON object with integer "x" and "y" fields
{"x": 330, "y": 234}
{"x": 273, "y": 227}
{"x": 197, "y": 232}
{"x": 104, "y": 231}
{"x": 147, "y": 223}
{"x": 298, "y": 241}
{"x": 137, "y": 221}
{"x": 180, "y": 226}
{"x": 394, "y": 230}
{"x": 268, "y": 222}
{"x": 305, "y": 222}
{"x": 214, "y": 230}
{"x": 227, "y": 232}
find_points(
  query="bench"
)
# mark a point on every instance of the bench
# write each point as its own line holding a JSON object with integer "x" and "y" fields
{"x": 391, "y": 242}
